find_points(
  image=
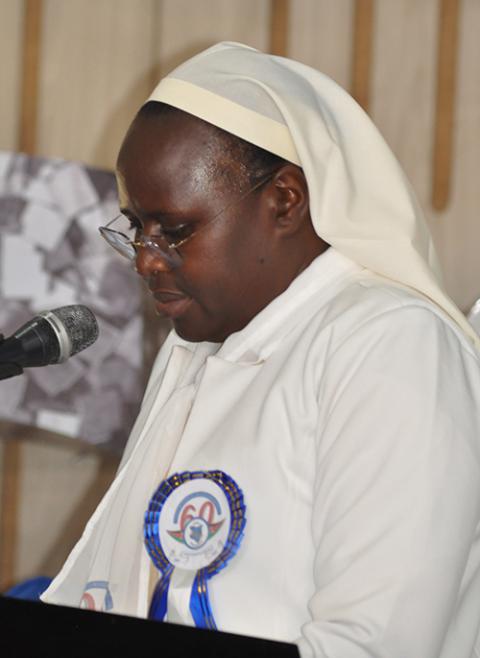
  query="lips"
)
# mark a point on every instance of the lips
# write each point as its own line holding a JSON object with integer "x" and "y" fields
{"x": 171, "y": 303}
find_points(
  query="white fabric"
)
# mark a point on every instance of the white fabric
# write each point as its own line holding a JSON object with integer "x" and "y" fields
{"x": 474, "y": 316}
{"x": 347, "y": 412}
{"x": 179, "y": 591}
{"x": 360, "y": 201}
{"x": 113, "y": 536}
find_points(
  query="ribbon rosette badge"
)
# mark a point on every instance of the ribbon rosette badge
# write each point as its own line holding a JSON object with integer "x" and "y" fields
{"x": 193, "y": 526}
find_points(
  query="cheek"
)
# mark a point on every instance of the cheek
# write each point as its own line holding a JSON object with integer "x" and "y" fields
{"x": 212, "y": 281}
{"x": 220, "y": 304}
{"x": 215, "y": 309}
{"x": 229, "y": 266}
{"x": 226, "y": 277}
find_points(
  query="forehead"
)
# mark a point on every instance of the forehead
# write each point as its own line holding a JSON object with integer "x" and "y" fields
{"x": 172, "y": 156}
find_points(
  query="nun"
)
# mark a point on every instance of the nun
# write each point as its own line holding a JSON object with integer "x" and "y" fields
{"x": 305, "y": 465}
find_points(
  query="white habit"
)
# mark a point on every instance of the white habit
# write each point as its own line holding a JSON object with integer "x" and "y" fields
{"x": 344, "y": 412}
{"x": 347, "y": 410}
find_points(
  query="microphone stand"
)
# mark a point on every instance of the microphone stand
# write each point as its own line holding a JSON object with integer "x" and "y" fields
{"x": 9, "y": 369}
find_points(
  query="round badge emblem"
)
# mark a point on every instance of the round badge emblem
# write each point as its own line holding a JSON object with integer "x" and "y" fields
{"x": 195, "y": 521}
{"x": 194, "y": 524}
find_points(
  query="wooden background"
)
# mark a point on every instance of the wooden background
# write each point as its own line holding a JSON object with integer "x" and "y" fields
{"x": 414, "y": 63}
{"x": 74, "y": 72}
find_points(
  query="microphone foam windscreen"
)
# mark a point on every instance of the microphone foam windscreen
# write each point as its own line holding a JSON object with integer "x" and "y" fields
{"x": 80, "y": 325}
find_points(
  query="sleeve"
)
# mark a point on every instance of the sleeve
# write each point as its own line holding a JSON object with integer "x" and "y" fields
{"x": 397, "y": 491}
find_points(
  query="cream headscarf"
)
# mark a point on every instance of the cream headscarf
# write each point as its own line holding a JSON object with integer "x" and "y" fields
{"x": 360, "y": 200}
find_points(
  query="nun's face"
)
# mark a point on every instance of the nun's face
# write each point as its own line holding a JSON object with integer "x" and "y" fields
{"x": 231, "y": 268}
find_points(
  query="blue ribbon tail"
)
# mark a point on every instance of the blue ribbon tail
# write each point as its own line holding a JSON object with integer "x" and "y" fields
{"x": 158, "y": 605}
{"x": 200, "y": 603}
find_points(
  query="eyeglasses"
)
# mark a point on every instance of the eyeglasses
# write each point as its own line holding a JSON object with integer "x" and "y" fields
{"x": 166, "y": 243}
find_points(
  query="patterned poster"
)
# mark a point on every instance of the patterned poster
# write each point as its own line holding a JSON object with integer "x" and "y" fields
{"x": 51, "y": 255}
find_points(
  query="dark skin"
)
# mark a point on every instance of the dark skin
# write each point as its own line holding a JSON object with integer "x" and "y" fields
{"x": 237, "y": 264}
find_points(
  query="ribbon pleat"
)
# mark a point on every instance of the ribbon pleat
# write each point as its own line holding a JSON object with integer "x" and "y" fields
{"x": 158, "y": 606}
{"x": 200, "y": 603}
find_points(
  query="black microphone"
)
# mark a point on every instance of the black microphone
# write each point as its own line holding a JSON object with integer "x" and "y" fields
{"x": 50, "y": 337}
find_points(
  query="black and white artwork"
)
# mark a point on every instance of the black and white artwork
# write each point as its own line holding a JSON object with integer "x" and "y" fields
{"x": 52, "y": 255}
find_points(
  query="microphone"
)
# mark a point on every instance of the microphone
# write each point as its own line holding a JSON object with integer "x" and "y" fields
{"x": 50, "y": 337}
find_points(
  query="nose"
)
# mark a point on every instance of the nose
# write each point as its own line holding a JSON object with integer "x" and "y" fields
{"x": 147, "y": 262}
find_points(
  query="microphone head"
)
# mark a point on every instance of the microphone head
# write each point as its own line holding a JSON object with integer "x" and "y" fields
{"x": 75, "y": 328}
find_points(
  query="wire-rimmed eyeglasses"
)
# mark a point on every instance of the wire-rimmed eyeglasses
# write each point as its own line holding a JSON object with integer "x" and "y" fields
{"x": 166, "y": 243}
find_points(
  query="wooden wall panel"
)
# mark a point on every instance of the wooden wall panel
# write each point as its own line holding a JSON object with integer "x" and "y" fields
{"x": 9, "y": 511}
{"x": 403, "y": 85}
{"x": 96, "y": 70}
{"x": 404, "y": 107}
{"x": 279, "y": 27}
{"x": 100, "y": 60}
{"x": 50, "y": 522}
{"x": 446, "y": 89}
{"x": 209, "y": 21}
{"x": 321, "y": 36}
{"x": 459, "y": 226}
{"x": 30, "y": 82}
{"x": 102, "y": 57}
{"x": 11, "y": 24}
{"x": 361, "y": 60}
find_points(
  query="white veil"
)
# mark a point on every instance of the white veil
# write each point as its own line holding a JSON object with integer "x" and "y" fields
{"x": 361, "y": 203}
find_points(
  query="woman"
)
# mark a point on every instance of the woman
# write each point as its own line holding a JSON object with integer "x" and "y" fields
{"x": 307, "y": 450}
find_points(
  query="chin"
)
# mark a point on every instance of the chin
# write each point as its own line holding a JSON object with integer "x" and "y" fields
{"x": 198, "y": 334}
{"x": 194, "y": 334}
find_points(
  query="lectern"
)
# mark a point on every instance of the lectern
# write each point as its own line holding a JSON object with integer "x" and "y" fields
{"x": 37, "y": 630}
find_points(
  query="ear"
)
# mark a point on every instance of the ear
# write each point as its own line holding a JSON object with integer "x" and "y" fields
{"x": 289, "y": 199}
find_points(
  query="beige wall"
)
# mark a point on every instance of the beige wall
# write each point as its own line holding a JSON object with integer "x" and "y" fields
{"x": 11, "y": 14}
{"x": 99, "y": 60}
{"x": 56, "y": 487}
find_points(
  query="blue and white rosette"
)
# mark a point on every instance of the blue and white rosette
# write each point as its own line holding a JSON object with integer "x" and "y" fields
{"x": 193, "y": 526}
